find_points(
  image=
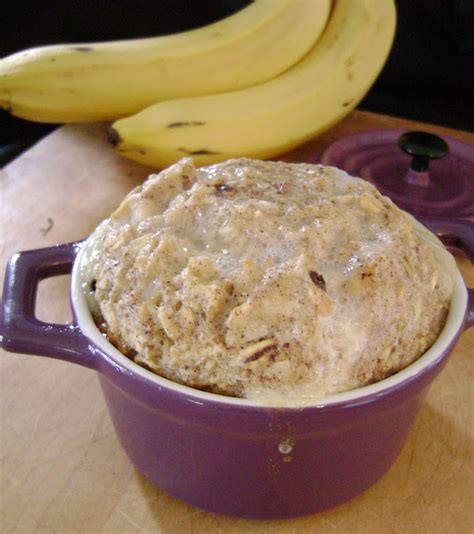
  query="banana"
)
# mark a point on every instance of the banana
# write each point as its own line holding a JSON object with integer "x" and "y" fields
{"x": 273, "y": 117}
{"x": 105, "y": 81}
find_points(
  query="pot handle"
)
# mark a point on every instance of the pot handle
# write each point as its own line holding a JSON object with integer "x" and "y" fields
{"x": 20, "y": 330}
{"x": 458, "y": 232}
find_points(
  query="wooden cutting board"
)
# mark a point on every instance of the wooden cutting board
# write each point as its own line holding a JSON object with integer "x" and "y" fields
{"x": 62, "y": 467}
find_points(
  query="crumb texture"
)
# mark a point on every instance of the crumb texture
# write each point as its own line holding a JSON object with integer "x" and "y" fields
{"x": 273, "y": 281}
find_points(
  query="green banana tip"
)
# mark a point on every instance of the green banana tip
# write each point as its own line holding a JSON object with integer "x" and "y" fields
{"x": 113, "y": 137}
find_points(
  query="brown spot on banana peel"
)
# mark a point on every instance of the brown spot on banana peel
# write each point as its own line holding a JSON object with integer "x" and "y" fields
{"x": 185, "y": 123}
{"x": 350, "y": 61}
{"x": 82, "y": 48}
{"x": 201, "y": 152}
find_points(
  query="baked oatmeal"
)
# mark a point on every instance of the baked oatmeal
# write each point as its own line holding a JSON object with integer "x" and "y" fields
{"x": 273, "y": 281}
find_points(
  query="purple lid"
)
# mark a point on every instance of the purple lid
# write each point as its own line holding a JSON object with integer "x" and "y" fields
{"x": 422, "y": 173}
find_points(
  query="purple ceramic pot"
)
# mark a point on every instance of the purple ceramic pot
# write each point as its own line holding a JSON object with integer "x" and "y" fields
{"x": 222, "y": 454}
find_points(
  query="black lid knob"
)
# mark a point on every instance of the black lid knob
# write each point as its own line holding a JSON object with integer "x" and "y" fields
{"x": 423, "y": 147}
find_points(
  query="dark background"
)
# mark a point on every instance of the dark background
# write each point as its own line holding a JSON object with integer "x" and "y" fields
{"x": 429, "y": 75}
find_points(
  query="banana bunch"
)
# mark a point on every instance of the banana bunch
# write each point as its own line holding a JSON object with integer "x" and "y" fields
{"x": 255, "y": 84}
{"x": 270, "y": 118}
{"x": 105, "y": 81}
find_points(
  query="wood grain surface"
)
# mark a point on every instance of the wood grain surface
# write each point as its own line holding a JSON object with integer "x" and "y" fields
{"x": 62, "y": 467}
